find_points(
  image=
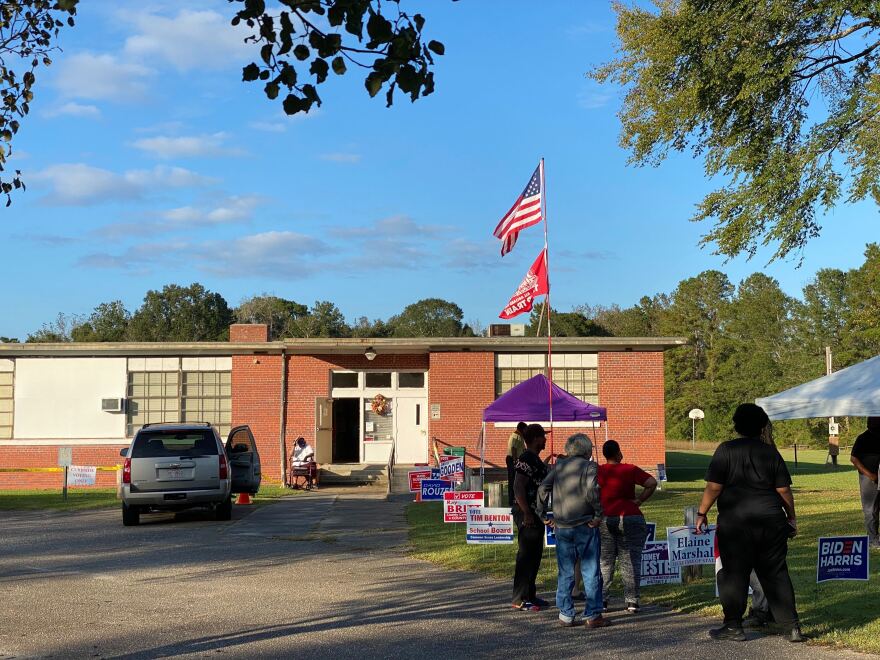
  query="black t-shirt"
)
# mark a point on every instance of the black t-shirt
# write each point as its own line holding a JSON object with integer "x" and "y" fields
{"x": 867, "y": 450}
{"x": 750, "y": 472}
{"x": 533, "y": 468}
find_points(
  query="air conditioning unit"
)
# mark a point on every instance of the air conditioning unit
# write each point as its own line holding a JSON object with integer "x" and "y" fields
{"x": 113, "y": 405}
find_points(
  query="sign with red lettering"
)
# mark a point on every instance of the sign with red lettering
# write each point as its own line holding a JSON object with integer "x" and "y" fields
{"x": 489, "y": 525}
{"x": 452, "y": 468}
{"x": 456, "y": 504}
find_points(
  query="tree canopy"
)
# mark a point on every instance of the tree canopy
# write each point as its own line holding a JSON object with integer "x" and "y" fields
{"x": 431, "y": 317}
{"x": 778, "y": 97}
{"x": 179, "y": 313}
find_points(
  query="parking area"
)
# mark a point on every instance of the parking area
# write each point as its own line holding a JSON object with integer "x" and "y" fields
{"x": 321, "y": 575}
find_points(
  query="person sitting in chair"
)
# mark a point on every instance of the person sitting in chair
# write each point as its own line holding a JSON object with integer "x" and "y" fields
{"x": 302, "y": 464}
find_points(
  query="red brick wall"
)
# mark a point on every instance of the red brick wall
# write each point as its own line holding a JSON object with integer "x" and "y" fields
{"x": 256, "y": 401}
{"x": 631, "y": 387}
{"x": 248, "y": 332}
{"x": 45, "y": 457}
{"x": 308, "y": 377}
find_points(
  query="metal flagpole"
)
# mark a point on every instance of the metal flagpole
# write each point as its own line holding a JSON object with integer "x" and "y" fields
{"x": 547, "y": 303}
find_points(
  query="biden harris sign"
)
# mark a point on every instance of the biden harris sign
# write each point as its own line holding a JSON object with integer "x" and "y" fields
{"x": 842, "y": 558}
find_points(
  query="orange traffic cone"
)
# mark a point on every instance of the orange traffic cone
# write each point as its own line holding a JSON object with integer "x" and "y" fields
{"x": 243, "y": 498}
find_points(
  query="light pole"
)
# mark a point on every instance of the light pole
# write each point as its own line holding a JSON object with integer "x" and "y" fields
{"x": 695, "y": 414}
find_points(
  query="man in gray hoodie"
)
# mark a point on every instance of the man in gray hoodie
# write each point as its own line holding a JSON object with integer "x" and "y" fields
{"x": 577, "y": 513}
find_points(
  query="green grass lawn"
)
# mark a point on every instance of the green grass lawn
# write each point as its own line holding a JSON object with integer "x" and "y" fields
{"x": 96, "y": 498}
{"x": 834, "y": 613}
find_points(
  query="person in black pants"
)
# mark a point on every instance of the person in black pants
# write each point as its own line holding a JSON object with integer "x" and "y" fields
{"x": 530, "y": 471}
{"x": 756, "y": 518}
{"x": 865, "y": 456}
{"x": 516, "y": 445}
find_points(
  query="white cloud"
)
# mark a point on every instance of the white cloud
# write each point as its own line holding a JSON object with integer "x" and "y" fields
{"x": 73, "y": 109}
{"x": 273, "y": 254}
{"x": 341, "y": 157}
{"x": 232, "y": 209}
{"x": 88, "y": 76}
{"x": 186, "y": 146}
{"x": 78, "y": 184}
{"x": 189, "y": 40}
{"x": 395, "y": 227}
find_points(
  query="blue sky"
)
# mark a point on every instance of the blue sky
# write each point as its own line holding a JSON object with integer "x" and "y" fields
{"x": 149, "y": 162}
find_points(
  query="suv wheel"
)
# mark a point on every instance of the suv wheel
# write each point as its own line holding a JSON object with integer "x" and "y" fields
{"x": 224, "y": 509}
{"x": 130, "y": 515}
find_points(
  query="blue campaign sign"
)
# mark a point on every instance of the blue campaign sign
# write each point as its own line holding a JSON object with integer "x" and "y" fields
{"x": 652, "y": 532}
{"x": 433, "y": 489}
{"x": 842, "y": 558}
{"x": 549, "y": 532}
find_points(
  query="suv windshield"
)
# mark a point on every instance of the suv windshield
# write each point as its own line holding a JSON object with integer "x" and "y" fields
{"x": 158, "y": 443}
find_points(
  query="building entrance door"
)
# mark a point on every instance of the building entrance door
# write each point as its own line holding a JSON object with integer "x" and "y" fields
{"x": 411, "y": 433}
{"x": 346, "y": 431}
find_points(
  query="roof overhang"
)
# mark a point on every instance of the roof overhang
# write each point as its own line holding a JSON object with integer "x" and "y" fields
{"x": 346, "y": 346}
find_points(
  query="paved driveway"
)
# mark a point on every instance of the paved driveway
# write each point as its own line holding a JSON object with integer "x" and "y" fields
{"x": 323, "y": 575}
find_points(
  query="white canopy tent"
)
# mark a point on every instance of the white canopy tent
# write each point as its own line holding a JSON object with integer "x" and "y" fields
{"x": 850, "y": 392}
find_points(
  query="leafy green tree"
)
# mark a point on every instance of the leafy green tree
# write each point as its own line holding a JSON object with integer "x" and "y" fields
{"x": 323, "y": 320}
{"x": 329, "y": 35}
{"x": 863, "y": 295}
{"x": 564, "y": 324}
{"x": 431, "y": 317}
{"x": 778, "y": 97}
{"x": 28, "y": 35}
{"x": 58, "y": 331}
{"x": 179, "y": 313}
{"x": 277, "y": 313}
{"x": 108, "y": 322}
{"x": 366, "y": 329}
{"x": 640, "y": 320}
{"x": 8, "y": 340}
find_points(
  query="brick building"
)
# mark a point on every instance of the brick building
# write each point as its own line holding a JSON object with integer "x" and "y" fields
{"x": 94, "y": 397}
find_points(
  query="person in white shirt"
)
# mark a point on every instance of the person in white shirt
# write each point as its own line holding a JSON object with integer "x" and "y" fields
{"x": 302, "y": 463}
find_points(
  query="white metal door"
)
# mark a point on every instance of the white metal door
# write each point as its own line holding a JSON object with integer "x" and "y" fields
{"x": 411, "y": 430}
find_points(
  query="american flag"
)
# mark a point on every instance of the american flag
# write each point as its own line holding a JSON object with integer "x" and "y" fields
{"x": 525, "y": 212}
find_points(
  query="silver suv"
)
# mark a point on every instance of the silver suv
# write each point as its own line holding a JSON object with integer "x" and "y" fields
{"x": 170, "y": 467}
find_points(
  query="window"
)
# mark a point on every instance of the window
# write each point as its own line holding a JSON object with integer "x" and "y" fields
{"x": 169, "y": 396}
{"x": 575, "y": 372}
{"x": 408, "y": 379}
{"x": 6, "y": 405}
{"x": 206, "y": 396}
{"x": 378, "y": 379}
{"x": 153, "y": 398}
{"x": 344, "y": 379}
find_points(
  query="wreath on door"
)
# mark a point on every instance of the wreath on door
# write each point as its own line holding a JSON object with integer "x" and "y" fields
{"x": 379, "y": 405}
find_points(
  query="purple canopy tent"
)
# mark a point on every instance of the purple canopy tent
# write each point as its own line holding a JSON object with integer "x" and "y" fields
{"x": 530, "y": 401}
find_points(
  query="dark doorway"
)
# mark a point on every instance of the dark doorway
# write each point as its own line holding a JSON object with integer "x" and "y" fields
{"x": 346, "y": 431}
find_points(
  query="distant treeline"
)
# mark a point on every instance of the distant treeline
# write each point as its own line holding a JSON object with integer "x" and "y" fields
{"x": 744, "y": 341}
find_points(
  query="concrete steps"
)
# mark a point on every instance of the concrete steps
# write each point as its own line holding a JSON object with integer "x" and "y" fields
{"x": 354, "y": 474}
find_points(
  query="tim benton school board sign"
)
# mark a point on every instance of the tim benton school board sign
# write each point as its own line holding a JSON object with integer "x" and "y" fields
{"x": 489, "y": 525}
{"x": 842, "y": 558}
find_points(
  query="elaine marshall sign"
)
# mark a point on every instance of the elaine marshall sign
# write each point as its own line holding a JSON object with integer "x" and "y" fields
{"x": 655, "y": 565}
{"x": 842, "y": 558}
{"x": 489, "y": 525}
{"x": 689, "y": 549}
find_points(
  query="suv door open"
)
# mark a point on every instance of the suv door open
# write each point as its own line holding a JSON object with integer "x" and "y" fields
{"x": 244, "y": 460}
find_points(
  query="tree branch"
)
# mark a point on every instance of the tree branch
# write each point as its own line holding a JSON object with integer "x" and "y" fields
{"x": 843, "y": 33}
{"x": 836, "y": 60}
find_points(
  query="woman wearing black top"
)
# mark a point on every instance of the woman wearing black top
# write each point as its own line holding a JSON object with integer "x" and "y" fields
{"x": 756, "y": 517}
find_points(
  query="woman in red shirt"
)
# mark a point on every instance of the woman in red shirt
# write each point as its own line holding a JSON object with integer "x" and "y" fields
{"x": 623, "y": 529}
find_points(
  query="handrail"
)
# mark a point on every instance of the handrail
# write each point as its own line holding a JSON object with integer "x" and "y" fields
{"x": 390, "y": 466}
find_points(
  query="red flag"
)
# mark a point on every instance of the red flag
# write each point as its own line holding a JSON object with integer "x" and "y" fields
{"x": 525, "y": 212}
{"x": 534, "y": 284}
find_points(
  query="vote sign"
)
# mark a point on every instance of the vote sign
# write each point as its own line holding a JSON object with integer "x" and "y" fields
{"x": 456, "y": 504}
{"x": 415, "y": 479}
{"x": 489, "y": 525}
{"x": 651, "y": 528}
{"x": 433, "y": 489}
{"x": 842, "y": 558}
{"x": 452, "y": 468}
{"x": 81, "y": 475}
{"x": 656, "y": 568}
{"x": 549, "y": 532}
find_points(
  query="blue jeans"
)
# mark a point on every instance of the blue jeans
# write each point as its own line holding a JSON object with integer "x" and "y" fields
{"x": 573, "y": 544}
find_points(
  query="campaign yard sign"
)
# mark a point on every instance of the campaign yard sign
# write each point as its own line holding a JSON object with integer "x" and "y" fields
{"x": 489, "y": 525}
{"x": 842, "y": 558}
{"x": 81, "y": 475}
{"x": 433, "y": 489}
{"x": 652, "y": 532}
{"x": 457, "y": 503}
{"x": 415, "y": 479}
{"x": 549, "y": 533}
{"x": 689, "y": 549}
{"x": 656, "y": 568}
{"x": 661, "y": 471}
{"x": 452, "y": 468}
